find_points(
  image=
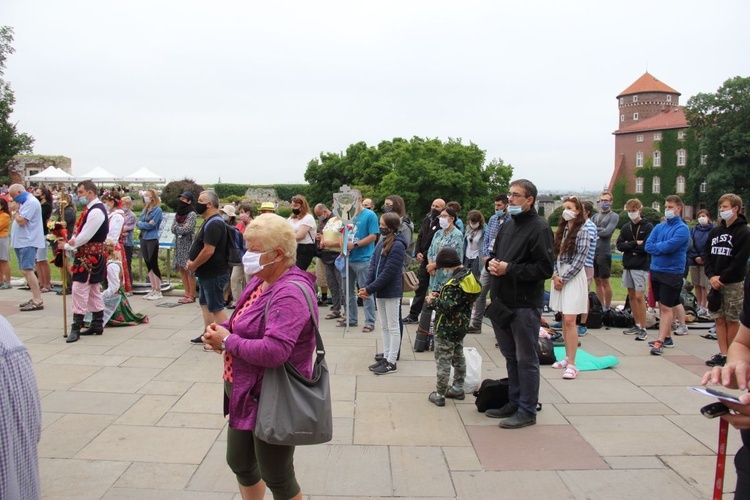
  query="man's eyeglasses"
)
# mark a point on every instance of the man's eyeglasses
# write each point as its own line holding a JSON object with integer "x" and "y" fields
{"x": 515, "y": 195}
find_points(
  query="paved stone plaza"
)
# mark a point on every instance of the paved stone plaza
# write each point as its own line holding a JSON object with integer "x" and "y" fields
{"x": 136, "y": 414}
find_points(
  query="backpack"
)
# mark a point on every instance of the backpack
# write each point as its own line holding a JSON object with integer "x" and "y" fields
{"x": 690, "y": 303}
{"x": 493, "y": 394}
{"x": 235, "y": 247}
{"x": 618, "y": 319}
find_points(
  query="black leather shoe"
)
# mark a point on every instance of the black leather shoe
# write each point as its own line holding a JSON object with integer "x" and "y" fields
{"x": 410, "y": 319}
{"x": 505, "y": 411}
{"x": 520, "y": 419}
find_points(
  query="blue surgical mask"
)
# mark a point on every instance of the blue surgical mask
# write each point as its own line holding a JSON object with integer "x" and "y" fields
{"x": 499, "y": 213}
{"x": 605, "y": 205}
{"x": 669, "y": 214}
{"x": 515, "y": 209}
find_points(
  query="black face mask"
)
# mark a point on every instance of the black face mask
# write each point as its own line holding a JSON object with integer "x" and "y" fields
{"x": 387, "y": 208}
{"x": 185, "y": 202}
{"x": 435, "y": 212}
{"x": 296, "y": 211}
{"x": 385, "y": 231}
{"x": 202, "y": 207}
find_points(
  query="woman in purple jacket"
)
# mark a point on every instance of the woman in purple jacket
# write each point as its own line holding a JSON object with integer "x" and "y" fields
{"x": 250, "y": 341}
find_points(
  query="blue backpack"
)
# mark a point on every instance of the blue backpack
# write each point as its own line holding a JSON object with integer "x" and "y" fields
{"x": 235, "y": 245}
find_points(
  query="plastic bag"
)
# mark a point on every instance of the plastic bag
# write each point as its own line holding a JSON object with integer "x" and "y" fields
{"x": 473, "y": 370}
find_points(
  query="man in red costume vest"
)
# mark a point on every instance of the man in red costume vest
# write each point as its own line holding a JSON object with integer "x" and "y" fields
{"x": 90, "y": 264}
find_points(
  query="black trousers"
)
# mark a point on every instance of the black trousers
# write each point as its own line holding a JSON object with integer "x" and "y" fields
{"x": 419, "y": 294}
{"x": 742, "y": 464}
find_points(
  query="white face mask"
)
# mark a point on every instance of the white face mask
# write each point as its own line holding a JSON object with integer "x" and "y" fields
{"x": 669, "y": 214}
{"x": 251, "y": 262}
{"x": 568, "y": 214}
{"x": 473, "y": 225}
{"x": 726, "y": 214}
{"x": 634, "y": 215}
{"x": 444, "y": 223}
{"x": 146, "y": 200}
{"x": 703, "y": 221}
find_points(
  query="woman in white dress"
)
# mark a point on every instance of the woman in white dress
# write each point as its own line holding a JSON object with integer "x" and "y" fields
{"x": 569, "y": 294}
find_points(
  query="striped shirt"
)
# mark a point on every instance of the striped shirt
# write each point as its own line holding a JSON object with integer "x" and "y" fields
{"x": 591, "y": 228}
{"x": 490, "y": 233}
{"x": 20, "y": 419}
{"x": 577, "y": 259}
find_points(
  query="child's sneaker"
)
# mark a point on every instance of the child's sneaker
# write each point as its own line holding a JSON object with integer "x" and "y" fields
{"x": 436, "y": 399}
{"x": 385, "y": 368}
{"x": 582, "y": 331}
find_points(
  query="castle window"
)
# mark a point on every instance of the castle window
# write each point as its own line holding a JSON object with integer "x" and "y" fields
{"x": 639, "y": 138}
{"x": 669, "y": 98}
{"x": 635, "y": 98}
{"x": 681, "y": 134}
{"x": 688, "y": 212}
{"x": 656, "y": 206}
{"x": 656, "y": 185}
{"x": 657, "y": 158}
{"x": 657, "y": 136}
{"x": 681, "y": 157}
{"x": 622, "y": 118}
{"x": 639, "y": 159}
{"x": 680, "y": 184}
{"x": 635, "y": 117}
{"x": 639, "y": 184}
{"x": 704, "y": 159}
{"x": 703, "y": 187}
{"x": 622, "y": 101}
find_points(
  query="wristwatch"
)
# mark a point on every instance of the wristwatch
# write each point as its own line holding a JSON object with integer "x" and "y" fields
{"x": 356, "y": 244}
{"x": 224, "y": 343}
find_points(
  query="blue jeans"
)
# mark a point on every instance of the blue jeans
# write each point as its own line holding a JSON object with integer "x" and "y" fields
{"x": 357, "y": 277}
{"x": 519, "y": 344}
{"x": 211, "y": 291}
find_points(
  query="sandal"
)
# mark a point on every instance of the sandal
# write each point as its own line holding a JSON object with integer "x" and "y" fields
{"x": 333, "y": 315}
{"x": 368, "y": 328}
{"x": 560, "y": 365}
{"x": 187, "y": 299}
{"x": 33, "y": 306}
{"x": 571, "y": 372}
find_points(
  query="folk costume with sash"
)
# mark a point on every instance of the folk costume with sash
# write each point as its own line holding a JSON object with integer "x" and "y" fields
{"x": 89, "y": 268}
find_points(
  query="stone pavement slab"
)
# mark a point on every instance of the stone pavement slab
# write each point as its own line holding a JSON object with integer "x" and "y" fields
{"x": 137, "y": 414}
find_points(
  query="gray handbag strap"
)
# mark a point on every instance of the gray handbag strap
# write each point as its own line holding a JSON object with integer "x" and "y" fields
{"x": 319, "y": 348}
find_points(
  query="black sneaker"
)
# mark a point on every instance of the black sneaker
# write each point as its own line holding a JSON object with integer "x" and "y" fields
{"x": 450, "y": 393}
{"x": 505, "y": 411}
{"x": 474, "y": 329}
{"x": 376, "y": 364}
{"x": 385, "y": 368}
{"x": 520, "y": 419}
{"x": 436, "y": 399}
{"x": 197, "y": 340}
{"x": 717, "y": 360}
{"x": 410, "y": 319}
{"x": 643, "y": 334}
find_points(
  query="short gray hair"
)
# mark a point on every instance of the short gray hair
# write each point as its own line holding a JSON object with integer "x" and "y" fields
{"x": 212, "y": 197}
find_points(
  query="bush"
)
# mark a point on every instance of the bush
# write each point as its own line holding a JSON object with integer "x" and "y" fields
{"x": 232, "y": 199}
{"x": 224, "y": 190}
{"x": 616, "y": 267}
{"x": 170, "y": 195}
{"x": 554, "y": 217}
{"x": 286, "y": 191}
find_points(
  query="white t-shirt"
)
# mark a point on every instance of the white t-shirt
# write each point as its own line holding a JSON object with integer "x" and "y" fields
{"x": 307, "y": 221}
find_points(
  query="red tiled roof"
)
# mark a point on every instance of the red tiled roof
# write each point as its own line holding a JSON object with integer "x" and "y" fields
{"x": 670, "y": 119}
{"x": 647, "y": 83}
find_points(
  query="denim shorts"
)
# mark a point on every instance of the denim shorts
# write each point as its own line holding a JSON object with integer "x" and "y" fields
{"x": 211, "y": 292}
{"x": 26, "y": 258}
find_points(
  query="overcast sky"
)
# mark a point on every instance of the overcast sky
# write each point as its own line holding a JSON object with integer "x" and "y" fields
{"x": 251, "y": 91}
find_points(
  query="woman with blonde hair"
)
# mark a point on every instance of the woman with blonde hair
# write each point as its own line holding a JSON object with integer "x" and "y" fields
{"x": 262, "y": 334}
{"x": 304, "y": 227}
{"x": 148, "y": 224}
{"x": 569, "y": 294}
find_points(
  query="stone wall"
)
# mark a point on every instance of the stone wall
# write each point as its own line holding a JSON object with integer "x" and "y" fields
{"x": 259, "y": 195}
{"x": 22, "y": 166}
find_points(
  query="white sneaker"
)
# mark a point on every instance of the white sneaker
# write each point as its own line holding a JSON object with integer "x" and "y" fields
{"x": 155, "y": 296}
{"x": 149, "y": 294}
{"x": 681, "y": 330}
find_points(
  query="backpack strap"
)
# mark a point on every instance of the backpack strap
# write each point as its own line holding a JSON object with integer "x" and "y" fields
{"x": 319, "y": 347}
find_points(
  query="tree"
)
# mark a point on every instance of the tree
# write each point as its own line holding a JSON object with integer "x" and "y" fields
{"x": 12, "y": 142}
{"x": 721, "y": 123}
{"x": 170, "y": 195}
{"x": 419, "y": 170}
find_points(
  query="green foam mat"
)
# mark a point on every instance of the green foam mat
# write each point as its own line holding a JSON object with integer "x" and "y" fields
{"x": 586, "y": 362}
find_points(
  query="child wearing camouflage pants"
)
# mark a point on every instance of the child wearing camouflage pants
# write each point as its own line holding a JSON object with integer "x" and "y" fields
{"x": 452, "y": 308}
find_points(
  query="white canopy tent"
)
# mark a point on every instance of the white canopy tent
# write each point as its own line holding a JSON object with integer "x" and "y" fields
{"x": 98, "y": 174}
{"x": 142, "y": 176}
{"x": 51, "y": 174}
